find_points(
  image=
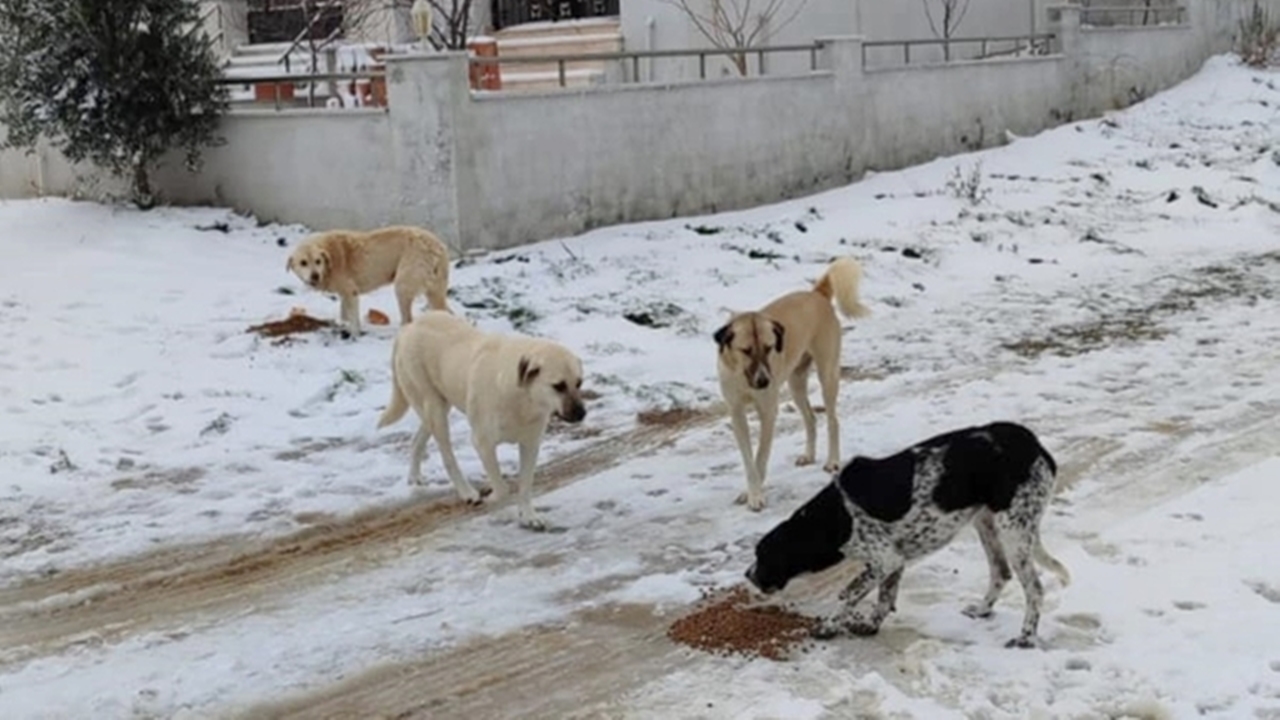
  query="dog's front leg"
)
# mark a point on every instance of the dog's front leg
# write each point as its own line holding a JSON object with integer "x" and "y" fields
{"x": 851, "y": 595}
{"x": 754, "y": 496}
{"x": 886, "y": 603}
{"x": 488, "y": 452}
{"x": 349, "y": 311}
{"x": 767, "y": 409}
{"x": 884, "y": 570}
{"x": 529, "y": 517}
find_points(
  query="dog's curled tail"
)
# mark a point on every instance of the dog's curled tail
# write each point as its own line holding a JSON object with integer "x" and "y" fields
{"x": 399, "y": 404}
{"x": 1051, "y": 563}
{"x": 841, "y": 281}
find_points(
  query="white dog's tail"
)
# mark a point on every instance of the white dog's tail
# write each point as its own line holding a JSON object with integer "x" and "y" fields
{"x": 840, "y": 282}
{"x": 399, "y": 404}
{"x": 1051, "y": 563}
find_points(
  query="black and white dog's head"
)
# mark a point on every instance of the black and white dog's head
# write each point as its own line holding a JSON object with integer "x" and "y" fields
{"x": 809, "y": 541}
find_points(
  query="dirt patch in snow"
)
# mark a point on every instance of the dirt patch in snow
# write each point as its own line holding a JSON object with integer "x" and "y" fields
{"x": 1119, "y": 323}
{"x": 671, "y": 417}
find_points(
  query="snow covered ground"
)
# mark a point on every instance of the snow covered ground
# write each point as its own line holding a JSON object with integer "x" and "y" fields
{"x": 198, "y": 522}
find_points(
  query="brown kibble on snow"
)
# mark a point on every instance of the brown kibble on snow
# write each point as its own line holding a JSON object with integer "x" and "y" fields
{"x": 292, "y": 325}
{"x": 727, "y": 625}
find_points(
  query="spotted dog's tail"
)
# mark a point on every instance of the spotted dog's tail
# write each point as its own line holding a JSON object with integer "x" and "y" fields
{"x": 1051, "y": 563}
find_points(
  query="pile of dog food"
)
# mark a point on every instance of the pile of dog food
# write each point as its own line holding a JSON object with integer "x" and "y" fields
{"x": 297, "y": 322}
{"x": 727, "y": 624}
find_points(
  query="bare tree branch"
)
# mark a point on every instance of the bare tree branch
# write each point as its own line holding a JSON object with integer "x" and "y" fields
{"x": 735, "y": 25}
{"x": 953, "y": 12}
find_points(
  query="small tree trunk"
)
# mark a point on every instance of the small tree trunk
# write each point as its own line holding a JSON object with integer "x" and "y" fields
{"x": 740, "y": 62}
{"x": 948, "y": 9}
{"x": 142, "y": 195}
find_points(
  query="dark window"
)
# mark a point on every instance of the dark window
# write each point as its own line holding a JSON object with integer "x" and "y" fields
{"x": 283, "y": 20}
{"x": 514, "y": 12}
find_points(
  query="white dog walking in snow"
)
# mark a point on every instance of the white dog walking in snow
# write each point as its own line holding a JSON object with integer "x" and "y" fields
{"x": 508, "y": 386}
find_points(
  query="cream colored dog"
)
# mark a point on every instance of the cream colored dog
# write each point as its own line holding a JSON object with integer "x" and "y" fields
{"x": 508, "y": 386}
{"x": 350, "y": 263}
{"x": 784, "y": 339}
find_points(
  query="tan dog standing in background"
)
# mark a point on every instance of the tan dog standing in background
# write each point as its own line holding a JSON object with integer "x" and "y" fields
{"x": 508, "y": 386}
{"x": 785, "y": 339}
{"x": 350, "y": 263}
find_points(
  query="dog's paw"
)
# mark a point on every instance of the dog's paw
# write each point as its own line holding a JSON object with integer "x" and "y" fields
{"x": 803, "y": 460}
{"x": 832, "y": 466}
{"x": 1025, "y": 642}
{"x": 415, "y": 480}
{"x": 863, "y": 627}
{"x": 977, "y": 611}
{"x": 826, "y": 630}
{"x": 471, "y": 496}
{"x": 534, "y": 523}
{"x": 755, "y": 502}
{"x": 741, "y": 499}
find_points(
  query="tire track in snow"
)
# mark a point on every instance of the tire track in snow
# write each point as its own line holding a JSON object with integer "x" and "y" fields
{"x": 540, "y": 672}
{"x": 109, "y": 601}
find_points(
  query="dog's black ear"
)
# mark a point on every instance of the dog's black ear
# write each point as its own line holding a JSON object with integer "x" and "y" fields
{"x": 724, "y": 335}
{"x": 778, "y": 333}
{"x": 527, "y": 371}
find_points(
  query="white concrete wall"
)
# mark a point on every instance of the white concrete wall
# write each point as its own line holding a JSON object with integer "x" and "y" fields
{"x": 47, "y": 172}
{"x": 1124, "y": 66}
{"x": 321, "y": 168}
{"x": 647, "y": 152}
{"x": 281, "y": 165}
{"x": 643, "y": 152}
{"x": 984, "y": 98}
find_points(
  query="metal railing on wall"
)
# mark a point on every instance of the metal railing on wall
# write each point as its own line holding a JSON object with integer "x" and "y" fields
{"x": 294, "y": 91}
{"x": 1133, "y": 15}
{"x": 633, "y": 57}
{"x": 290, "y": 91}
{"x": 1033, "y": 44}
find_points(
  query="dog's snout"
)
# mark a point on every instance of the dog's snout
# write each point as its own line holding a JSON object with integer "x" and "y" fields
{"x": 750, "y": 575}
{"x": 577, "y": 413}
{"x": 315, "y": 278}
{"x": 760, "y": 381}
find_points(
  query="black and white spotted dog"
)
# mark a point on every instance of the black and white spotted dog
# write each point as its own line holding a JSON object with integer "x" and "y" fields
{"x": 888, "y": 511}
